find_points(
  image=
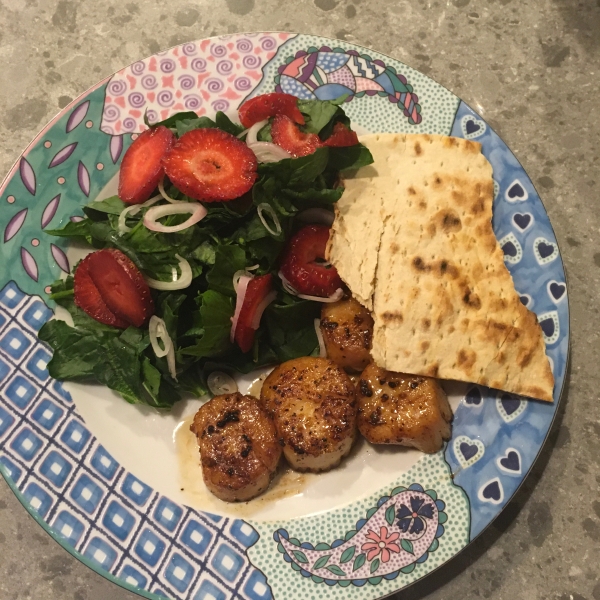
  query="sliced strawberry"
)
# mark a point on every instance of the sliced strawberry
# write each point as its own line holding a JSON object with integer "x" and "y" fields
{"x": 268, "y": 105}
{"x": 211, "y": 165}
{"x": 254, "y": 301}
{"x": 341, "y": 136}
{"x": 88, "y": 298}
{"x": 298, "y": 265}
{"x": 285, "y": 133}
{"x": 141, "y": 168}
{"x": 109, "y": 288}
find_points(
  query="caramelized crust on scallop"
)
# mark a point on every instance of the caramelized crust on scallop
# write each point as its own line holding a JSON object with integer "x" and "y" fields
{"x": 396, "y": 408}
{"x": 238, "y": 444}
{"x": 313, "y": 403}
{"x": 347, "y": 328}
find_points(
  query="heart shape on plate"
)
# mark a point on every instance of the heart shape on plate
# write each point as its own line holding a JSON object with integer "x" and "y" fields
{"x": 526, "y": 300}
{"x": 473, "y": 397}
{"x": 556, "y": 291}
{"x": 510, "y": 406}
{"x": 491, "y": 491}
{"x": 523, "y": 220}
{"x": 516, "y": 192}
{"x": 467, "y": 451}
{"x": 510, "y": 462}
{"x": 550, "y": 325}
{"x": 513, "y": 252}
{"x": 472, "y": 127}
{"x": 544, "y": 250}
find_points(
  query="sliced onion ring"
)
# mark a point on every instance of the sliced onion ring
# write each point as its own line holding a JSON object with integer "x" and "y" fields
{"x": 287, "y": 286}
{"x": 322, "y": 348}
{"x": 267, "y": 152}
{"x": 219, "y": 383}
{"x": 236, "y": 278}
{"x": 161, "y": 189}
{"x": 133, "y": 209}
{"x": 196, "y": 209}
{"x": 253, "y": 132}
{"x": 316, "y": 215}
{"x": 264, "y": 207}
{"x": 171, "y": 363}
{"x": 180, "y": 283}
{"x": 260, "y": 309}
{"x": 158, "y": 331}
{"x": 242, "y": 288}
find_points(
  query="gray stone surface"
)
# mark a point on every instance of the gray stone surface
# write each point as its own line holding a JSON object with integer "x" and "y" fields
{"x": 532, "y": 68}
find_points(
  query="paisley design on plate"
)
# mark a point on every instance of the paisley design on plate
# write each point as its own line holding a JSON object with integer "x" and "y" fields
{"x": 116, "y": 147}
{"x": 62, "y": 155}
{"x": 468, "y": 451}
{"x": 83, "y": 178}
{"x": 513, "y": 252}
{"x": 14, "y": 225}
{"x": 550, "y": 326}
{"x": 27, "y": 176}
{"x": 510, "y": 462}
{"x": 61, "y": 258}
{"x": 50, "y": 211}
{"x": 472, "y": 127}
{"x": 557, "y": 290}
{"x": 29, "y": 264}
{"x": 523, "y": 221}
{"x": 77, "y": 116}
{"x": 510, "y": 406}
{"x": 545, "y": 251}
{"x": 491, "y": 491}
{"x": 516, "y": 192}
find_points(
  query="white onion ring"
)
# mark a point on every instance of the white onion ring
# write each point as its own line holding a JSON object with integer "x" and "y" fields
{"x": 242, "y": 288}
{"x": 196, "y": 209}
{"x": 260, "y": 309}
{"x": 219, "y": 383}
{"x": 287, "y": 286}
{"x": 252, "y": 268}
{"x": 180, "y": 283}
{"x": 161, "y": 189}
{"x": 322, "y": 348}
{"x": 253, "y": 132}
{"x": 264, "y": 207}
{"x": 316, "y": 215}
{"x": 236, "y": 278}
{"x": 158, "y": 331}
{"x": 171, "y": 362}
{"x": 267, "y": 152}
{"x": 133, "y": 209}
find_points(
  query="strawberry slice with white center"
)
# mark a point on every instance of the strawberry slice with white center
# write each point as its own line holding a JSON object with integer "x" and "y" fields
{"x": 211, "y": 165}
{"x": 111, "y": 290}
{"x": 268, "y": 105}
{"x": 287, "y": 135}
{"x": 300, "y": 267}
{"x": 141, "y": 168}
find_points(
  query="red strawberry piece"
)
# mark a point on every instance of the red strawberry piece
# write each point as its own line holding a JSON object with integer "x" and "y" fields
{"x": 287, "y": 135}
{"x": 268, "y": 105}
{"x": 298, "y": 265}
{"x": 141, "y": 169}
{"x": 341, "y": 136}
{"x": 211, "y": 165}
{"x": 257, "y": 291}
{"x": 109, "y": 288}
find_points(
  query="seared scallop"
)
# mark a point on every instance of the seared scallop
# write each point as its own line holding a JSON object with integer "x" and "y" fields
{"x": 347, "y": 328}
{"x": 409, "y": 410}
{"x": 313, "y": 403}
{"x": 238, "y": 444}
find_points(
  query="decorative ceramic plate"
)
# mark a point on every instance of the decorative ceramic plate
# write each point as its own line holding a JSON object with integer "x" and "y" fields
{"x": 109, "y": 480}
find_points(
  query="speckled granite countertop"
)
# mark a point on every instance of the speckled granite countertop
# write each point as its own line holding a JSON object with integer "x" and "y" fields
{"x": 532, "y": 69}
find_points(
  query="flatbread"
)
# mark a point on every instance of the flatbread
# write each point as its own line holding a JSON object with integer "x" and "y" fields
{"x": 413, "y": 241}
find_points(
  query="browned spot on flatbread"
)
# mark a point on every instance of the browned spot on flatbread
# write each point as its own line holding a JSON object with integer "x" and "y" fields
{"x": 418, "y": 149}
{"x": 411, "y": 191}
{"x": 471, "y": 299}
{"x": 425, "y": 324}
{"x": 394, "y": 248}
{"x": 390, "y": 316}
{"x": 448, "y": 220}
{"x": 419, "y": 264}
{"x": 432, "y": 370}
{"x": 425, "y": 346}
{"x": 465, "y": 359}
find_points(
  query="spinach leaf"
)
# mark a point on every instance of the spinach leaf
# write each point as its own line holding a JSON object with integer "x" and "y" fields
{"x": 228, "y": 260}
{"x": 173, "y": 119}
{"x": 317, "y": 114}
{"x": 79, "y": 230}
{"x": 98, "y": 210}
{"x": 195, "y": 122}
{"x": 226, "y": 124}
{"x": 349, "y": 157}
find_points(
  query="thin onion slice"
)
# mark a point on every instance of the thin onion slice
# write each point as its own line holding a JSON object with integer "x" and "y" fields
{"x": 267, "y": 152}
{"x": 316, "y": 215}
{"x": 253, "y": 132}
{"x": 161, "y": 189}
{"x": 171, "y": 363}
{"x": 287, "y": 286}
{"x": 236, "y": 278}
{"x": 219, "y": 383}
{"x": 252, "y": 268}
{"x": 242, "y": 288}
{"x": 260, "y": 309}
{"x": 196, "y": 209}
{"x": 158, "y": 331}
{"x": 337, "y": 295}
{"x": 322, "y": 348}
{"x": 180, "y": 283}
{"x": 263, "y": 207}
{"x": 133, "y": 209}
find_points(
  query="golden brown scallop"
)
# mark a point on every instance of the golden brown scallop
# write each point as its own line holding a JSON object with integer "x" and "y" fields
{"x": 395, "y": 408}
{"x": 314, "y": 406}
{"x": 238, "y": 444}
{"x": 347, "y": 328}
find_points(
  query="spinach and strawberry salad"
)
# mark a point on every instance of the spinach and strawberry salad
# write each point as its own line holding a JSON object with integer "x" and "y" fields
{"x": 211, "y": 257}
